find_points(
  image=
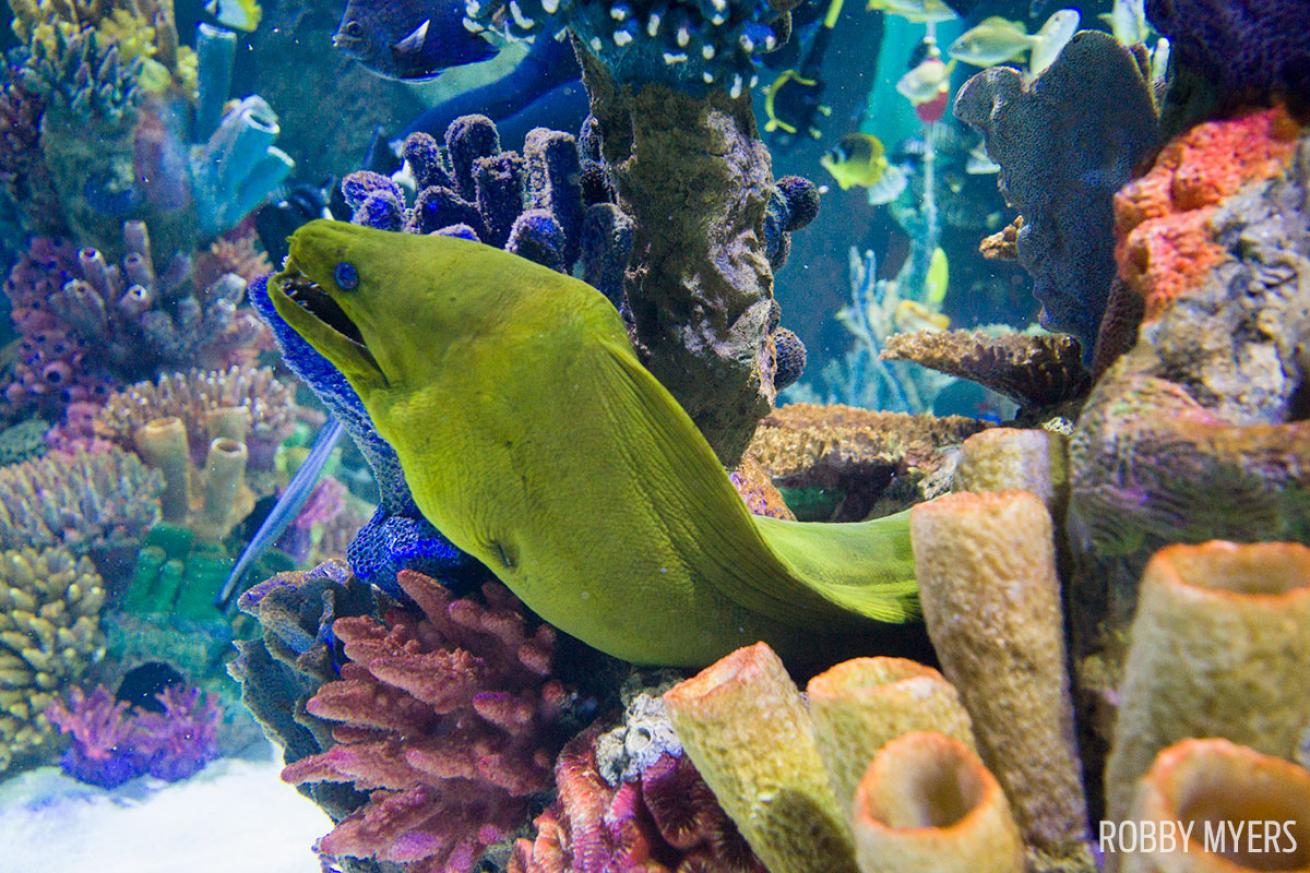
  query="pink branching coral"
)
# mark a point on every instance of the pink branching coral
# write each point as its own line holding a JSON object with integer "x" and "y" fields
{"x": 446, "y": 714}
{"x": 665, "y": 821}
{"x": 178, "y": 742}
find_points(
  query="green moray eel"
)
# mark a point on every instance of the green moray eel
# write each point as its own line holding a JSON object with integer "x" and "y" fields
{"x": 533, "y": 438}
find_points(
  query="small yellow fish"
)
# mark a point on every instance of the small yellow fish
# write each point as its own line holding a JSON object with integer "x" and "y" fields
{"x": 860, "y": 159}
{"x": 938, "y": 279}
{"x": 996, "y": 40}
{"x": 919, "y": 11}
{"x": 926, "y": 82}
{"x": 240, "y": 14}
{"x": 912, "y": 316}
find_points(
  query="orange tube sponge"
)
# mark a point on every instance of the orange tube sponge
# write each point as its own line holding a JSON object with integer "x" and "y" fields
{"x": 744, "y": 725}
{"x": 861, "y": 704}
{"x": 928, "y": 803}
{"x": 991, "y": 599}
{"x": 1220, "y": 648}
{"x": 1237, "y": 810}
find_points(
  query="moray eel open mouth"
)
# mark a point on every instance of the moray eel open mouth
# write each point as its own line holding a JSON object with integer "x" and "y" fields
{"x": 320, "y": 319}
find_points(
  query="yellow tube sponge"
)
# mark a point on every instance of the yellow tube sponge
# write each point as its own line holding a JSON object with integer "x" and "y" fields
{"x": 744, "y": 724}
{"x": 1230, "y": 809}
{"x": 162, "y": 443}
{"x": 1006, "y": 458}
{"x": 991, "y": 600}
{"x": 226, "y": 497}
{"x": 1220, "y": 648}
{"x": 49, "y": 632}
{"x": 927, "y": 803}
{"x": 861, "y": 704}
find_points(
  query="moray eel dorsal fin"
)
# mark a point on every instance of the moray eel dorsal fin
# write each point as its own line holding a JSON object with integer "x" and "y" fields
{"x": 533, "y": 438}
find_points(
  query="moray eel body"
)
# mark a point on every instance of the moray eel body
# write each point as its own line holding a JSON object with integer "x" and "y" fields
{"x": 532, "y": 437}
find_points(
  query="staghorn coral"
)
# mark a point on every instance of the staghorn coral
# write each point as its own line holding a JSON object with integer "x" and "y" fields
{"x": 205, "y": 401}
{"x": 865, "y": 461}
{"x": 661, "y": 819}
{"x": 49, "y": 634}
{"x": 1209, "y": 400}
{"x": 178, "y": 742}
{"x": 444, "y": 713}
{"x": 100, "y": 751}
{"x": 84, "y": 503}
{"x": 1034, "y": 370}
{"x": 1066, "y": 142}
{"x": 80, "y": 75}
{"x": 927, "y": 802}
{"x": 690, "y": 45}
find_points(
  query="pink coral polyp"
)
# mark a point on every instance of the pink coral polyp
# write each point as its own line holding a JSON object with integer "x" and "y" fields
{"x": 445, "y": 713}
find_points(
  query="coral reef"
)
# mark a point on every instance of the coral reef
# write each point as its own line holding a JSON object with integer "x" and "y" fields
{"x": 1037, "y": 371}
{"x": 1243, "y": 53}
{"x": 744, "y": 725}
{"x": 138, "y": 320}
{"x": 444, "y": 713}
{"x": 659, "y": 819}
{"x": 397, "y": 537}
{"x": 112, "y": 743}
{"x": 843, "y": 464}
{"x": 991, "y": 599}
{"x": 685, "y": 45}
{"x": 928, "y": 803}
{"x": 868, "y": 376}
{"x": 294, "y": 655}
{"x": 1208, "y": 401}
{"x": 23, "y": 170}
{"x": 1217, "y": 647}
{"x": 861, "y": 704}
{"x": 86, "y": 503}
{"x": 49, "y": 634}
{"x": 1065, "y": 143}
{"x": 1232, "y": 784}
{"x": 24, "y": 441}
{"x": 210, "y": 404}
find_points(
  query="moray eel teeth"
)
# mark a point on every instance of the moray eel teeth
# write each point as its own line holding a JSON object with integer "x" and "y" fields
{"x": 311, "y": 310}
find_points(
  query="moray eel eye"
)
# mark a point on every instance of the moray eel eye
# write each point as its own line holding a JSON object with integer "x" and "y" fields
{"x": 346, "y": 276}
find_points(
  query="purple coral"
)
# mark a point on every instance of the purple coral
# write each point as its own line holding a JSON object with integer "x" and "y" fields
{"x": 1246, "y": 50}
{"x": 177, "y": 743}
{"x": 112, "y": 743}
{"x": 447, "y": 712}
{"x": 665, "y": 819}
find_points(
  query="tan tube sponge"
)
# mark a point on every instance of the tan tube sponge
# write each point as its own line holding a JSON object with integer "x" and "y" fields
{"x": 745, "y": 726}
{"x": 1006, "y": 458}
{"x": 1220, "y": 648}
{"x": 991, "y": 600}
{"x": 928, "y": 805}
{"x": 861, "y": 704}
{"x": 225, "y": 488}
{"x": 162, "y": 443}
{"x": 1230, "y": 810}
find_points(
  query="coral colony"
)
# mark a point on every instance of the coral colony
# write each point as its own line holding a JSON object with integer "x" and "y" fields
{"x": 554, "y": 507}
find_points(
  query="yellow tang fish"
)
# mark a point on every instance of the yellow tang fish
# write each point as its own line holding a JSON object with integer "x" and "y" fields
{"x": 241, "y": 14}
{"x": 912, "y": 316}
{"x": 920, "y": 11}
{"x": 859, "y": 159}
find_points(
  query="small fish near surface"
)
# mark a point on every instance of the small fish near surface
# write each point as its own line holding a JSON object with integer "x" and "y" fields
{"x": 860, "y": 160}
{"x": 927, "y": 86}
{"x": 998, "y": 40}
{"x": 568, "y": 469}
{"x": 412, "y": 40}
{"x": 918, "y": 11}
{"x": 237, "y": 14}
{"x": 1127, "y": 21}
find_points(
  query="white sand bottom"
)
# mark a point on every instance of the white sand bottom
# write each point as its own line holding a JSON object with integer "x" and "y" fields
{"x": 234, "y": 815}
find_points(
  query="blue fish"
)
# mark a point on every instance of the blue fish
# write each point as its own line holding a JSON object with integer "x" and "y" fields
{"x": 411, "y": 40}
{"x": 286, "y": 509}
